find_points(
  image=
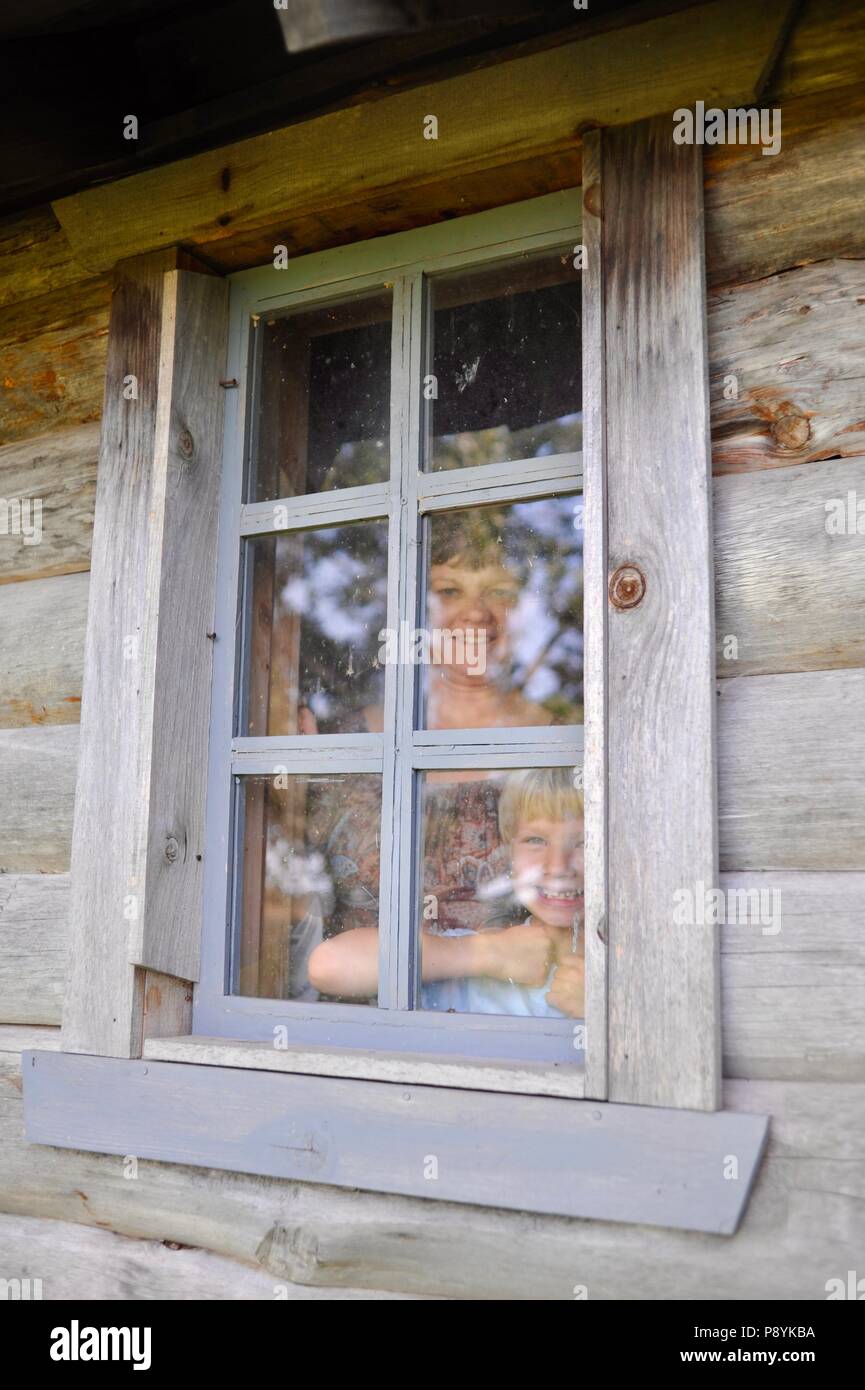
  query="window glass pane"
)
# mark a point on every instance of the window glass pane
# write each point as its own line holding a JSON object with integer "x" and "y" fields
{"x": 506, "y": 363}
{"x": 309, "y": 866}
{"x": 501, "y": 909}
{"x": 502, "y": 643}
{"x": 317, "y": 604}
{"x": 324, "y": 399}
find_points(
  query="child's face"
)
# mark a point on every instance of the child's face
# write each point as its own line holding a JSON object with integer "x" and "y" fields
{"x": 547, "y": 869}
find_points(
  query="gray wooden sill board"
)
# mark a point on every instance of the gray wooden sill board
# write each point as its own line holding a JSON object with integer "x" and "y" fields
{"x": 638, "y": 1164}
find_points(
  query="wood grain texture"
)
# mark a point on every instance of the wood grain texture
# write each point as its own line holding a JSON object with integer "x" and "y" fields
{"x": 486, "y": 118}
{"x": 766, "y": 213}
{"x": 803, "y": 1226}
{"x": 464, "y": 1073}
{"x": 663, "y": 978}
{"x": 42, "y": 650}
{"x": 789, "y": 593}
{"x": 33, "y": 916}
{"x": 655, "y": 1167}
{"x": 595, "y": 621}
{"x": 793, "y": 976}
{"x": 60, "y": 470}
{"x": 138, "y": 836}
{"x": 53, "y": 359}
{"x": 38, "y": 769}
{"x": 792, "y": 348}
{"x": 35, "y": 257}
{"x": 75, "y": 1263}
{"x": 824, "y": 50}
{"x": 790, "y": 754}
{"x": 176, "y": 652}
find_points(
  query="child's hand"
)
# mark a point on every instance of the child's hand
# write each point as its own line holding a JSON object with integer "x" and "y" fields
{"x": 521, "y": 954}
{"x": 567, "y": 990}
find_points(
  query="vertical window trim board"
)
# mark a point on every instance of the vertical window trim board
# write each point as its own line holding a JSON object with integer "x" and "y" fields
{"x": 135, "y": 902}
{"x": 596, "y": 1161}
{"x": 661, "y": 824}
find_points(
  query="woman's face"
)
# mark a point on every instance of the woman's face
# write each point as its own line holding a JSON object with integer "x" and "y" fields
{"x": 475, "y": 605}
{"x": 547, "y": 869}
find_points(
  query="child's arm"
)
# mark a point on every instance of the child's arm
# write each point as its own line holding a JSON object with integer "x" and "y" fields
{"x": 347, "y": 964}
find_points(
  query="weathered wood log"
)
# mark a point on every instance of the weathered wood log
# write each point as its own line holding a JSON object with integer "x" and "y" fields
{"x": 53, "y": 356}
{"x": 35, "y": 257}
{"x": 791, "y": 749}
{"x": 765, "y": 213}
{"x": 793, "y": 976}
{"x": 803, "y": 1225}
{"x": 42, "y": 650}
{"x": 38, "y": 769}
{"x": 789, "y": 595}
{"x": 74, "y": 1262}
{"x": 824, "y": 50}
{"x": 787, "y": 368}
{"x": 33, "y": 921}
{"x": 302, "y": 171}
{"x": 60, "y": 470}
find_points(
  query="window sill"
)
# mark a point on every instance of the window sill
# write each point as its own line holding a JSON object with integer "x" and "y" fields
{"x": 562, "y": 1079}
{"x": 545, "y": 1154}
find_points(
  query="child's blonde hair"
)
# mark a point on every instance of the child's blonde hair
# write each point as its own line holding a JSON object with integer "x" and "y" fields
{"x": 546, "y": 793}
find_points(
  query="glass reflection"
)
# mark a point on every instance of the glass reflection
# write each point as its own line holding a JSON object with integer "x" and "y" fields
{"x": 324, "y": 396}
{"x": 317, "y": 606}
{"x": 309, "y": 872}
{"x": 506, "y": 362}
{"x": 504, "y": 589}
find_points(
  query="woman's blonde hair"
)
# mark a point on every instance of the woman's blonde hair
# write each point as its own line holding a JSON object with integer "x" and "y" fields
{"x": 546, "y": 793}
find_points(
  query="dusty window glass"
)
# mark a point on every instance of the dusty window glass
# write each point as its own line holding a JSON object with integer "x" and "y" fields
{"x": 317, "y": 604}
{"x": 501, "y": 907}
{"x": 324, "y": 400}
{"x": 502, "y": 643}
{"x": 506, "y": 363}
{"x": 309, "y": 870}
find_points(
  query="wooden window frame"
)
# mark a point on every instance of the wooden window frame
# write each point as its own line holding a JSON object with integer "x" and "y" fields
{"x": 407, "y": 264}
{"x": 646, "y": 1137}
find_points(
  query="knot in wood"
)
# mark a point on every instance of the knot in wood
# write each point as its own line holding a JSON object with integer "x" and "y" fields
{"x": 172, "y": 849}
{"x": 791, "y": 431}
{"x": 185, "y": 443}
{"x": 627, "y": 586}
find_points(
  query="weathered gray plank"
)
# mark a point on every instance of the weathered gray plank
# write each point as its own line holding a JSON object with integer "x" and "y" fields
{"x": 793, "y": 976}
{"x": 790, "y": 594}
{"x": 176, "y": 649}
{"x": 787, "y": 362}
{"x": 37, "y": 766}
{"x": 791, "y": 749}
{"x": 33, "y": 913}
{"x": 474, "y": 1074}
{"x": 804, "y": 1224}
{"x": 649, "y": 1165}
{"x": 74, "y": 1263}
{"x": 147, "y": 655}
{"x": 42, "y": 650}
{"x": 595, "y": 622}
{"x": 60, "y": 470}
{"x": 663, "y": 978}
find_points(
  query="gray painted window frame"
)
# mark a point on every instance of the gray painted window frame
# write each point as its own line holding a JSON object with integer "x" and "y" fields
{"x": 405, "y": 263}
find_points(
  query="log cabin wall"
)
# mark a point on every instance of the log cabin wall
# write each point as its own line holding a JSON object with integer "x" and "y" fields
{"x": 786, "y": 314}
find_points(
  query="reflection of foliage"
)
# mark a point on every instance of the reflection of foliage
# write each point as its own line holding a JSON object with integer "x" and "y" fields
{"x": 541, "y": 544}
{"x": 502, "y": 445}
{"x": 337, "y": 583}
